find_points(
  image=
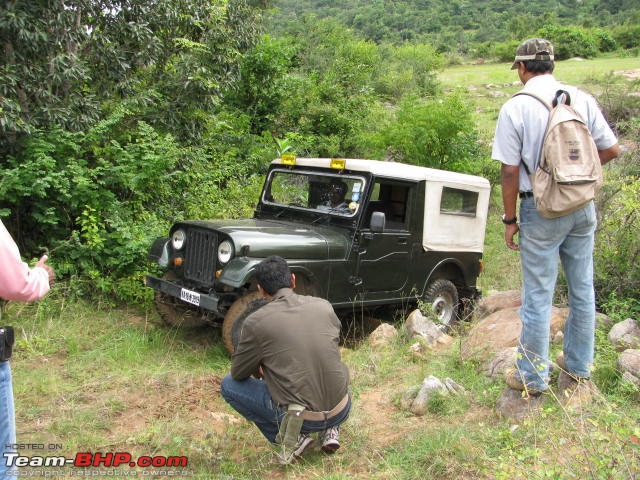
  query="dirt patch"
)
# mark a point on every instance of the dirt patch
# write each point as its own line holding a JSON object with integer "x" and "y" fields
{"x": 195, "y": 399}
{"x": 633, "y": 74}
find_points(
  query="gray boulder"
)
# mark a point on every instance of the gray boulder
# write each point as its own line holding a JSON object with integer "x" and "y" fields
{"x": 417, "y": 325}
{"x": 629, "y": 364}
{"x": 625, "y": 334}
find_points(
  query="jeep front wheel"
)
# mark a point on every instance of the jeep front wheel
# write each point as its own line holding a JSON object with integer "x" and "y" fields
{"x": 441, "y": 299}
{"x": 176, "y": 313}
{"x": 235, "y": 317}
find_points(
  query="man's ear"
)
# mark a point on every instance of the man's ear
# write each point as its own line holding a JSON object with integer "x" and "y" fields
{"x": 262, "y": 292}
{"x": 293, "y": 281}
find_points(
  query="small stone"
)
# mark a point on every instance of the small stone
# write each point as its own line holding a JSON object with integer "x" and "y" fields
{"x": 512, "y": 404}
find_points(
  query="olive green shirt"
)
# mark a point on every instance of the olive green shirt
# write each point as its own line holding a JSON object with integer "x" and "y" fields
{"x": 294, "y": 338}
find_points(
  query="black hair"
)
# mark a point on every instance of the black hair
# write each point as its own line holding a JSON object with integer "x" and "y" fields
{"x": 272, "y": 274}
{"x": 539, "y": 66}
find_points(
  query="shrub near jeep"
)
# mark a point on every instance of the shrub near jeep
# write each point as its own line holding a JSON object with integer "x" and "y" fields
{"x": 360, "y": 233}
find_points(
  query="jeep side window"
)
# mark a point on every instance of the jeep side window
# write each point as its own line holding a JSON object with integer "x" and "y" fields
{"x": 392, "y": 200}
{"x": 455, "y": 201}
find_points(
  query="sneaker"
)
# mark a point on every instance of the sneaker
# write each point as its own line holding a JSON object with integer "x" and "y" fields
{"x": 285, "y": 458}
{"x": 512, "y": 379}
{"x": 331, "y": 439}
{"x": 574, "y": 391}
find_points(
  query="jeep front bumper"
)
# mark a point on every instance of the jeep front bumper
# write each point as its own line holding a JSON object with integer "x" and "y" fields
{"x": 206, "y": 301}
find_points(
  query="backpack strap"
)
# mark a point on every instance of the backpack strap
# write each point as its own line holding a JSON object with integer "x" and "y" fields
{"x": 537, "y": 97}
{"x": 545, "y": 103}
{"x": 562, "y": 96}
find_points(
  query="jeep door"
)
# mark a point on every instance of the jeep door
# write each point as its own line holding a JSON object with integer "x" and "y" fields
{"x": 384, "y": 258}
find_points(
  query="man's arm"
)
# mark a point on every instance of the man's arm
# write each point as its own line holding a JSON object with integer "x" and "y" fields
{"x": 247, "y": 359}
{"x": 17, "y": 280}
{"x": 510, "y": 181}
{"x": 609, "y": 153}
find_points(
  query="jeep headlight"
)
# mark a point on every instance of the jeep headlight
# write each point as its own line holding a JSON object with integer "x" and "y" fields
{"x": 177, "y": 239}
{"x": 225, "y": 251}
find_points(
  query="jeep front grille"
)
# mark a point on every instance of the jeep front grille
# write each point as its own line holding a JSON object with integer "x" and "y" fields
{"x": 200, "y": 256}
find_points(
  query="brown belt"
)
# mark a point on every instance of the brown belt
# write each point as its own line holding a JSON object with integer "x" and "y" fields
{"x": 322, "y": 416}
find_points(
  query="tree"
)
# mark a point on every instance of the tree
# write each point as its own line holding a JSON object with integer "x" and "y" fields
{"x": 63, "y": 61}
{"x": 433, "y": 133}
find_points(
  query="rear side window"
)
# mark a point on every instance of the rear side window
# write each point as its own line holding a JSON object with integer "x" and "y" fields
{"x": 455, "y": 201}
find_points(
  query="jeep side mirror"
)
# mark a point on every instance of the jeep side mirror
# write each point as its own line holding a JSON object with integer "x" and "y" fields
{"x": 377, "y": 222}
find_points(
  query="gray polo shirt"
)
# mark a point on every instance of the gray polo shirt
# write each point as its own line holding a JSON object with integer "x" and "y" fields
{"x": 523, "y": 121}
{"x": 295, "y": 340}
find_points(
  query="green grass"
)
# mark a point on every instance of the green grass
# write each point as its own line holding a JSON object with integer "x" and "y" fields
{"x": 490, "y": 85}
{"x": 130, "y": 384}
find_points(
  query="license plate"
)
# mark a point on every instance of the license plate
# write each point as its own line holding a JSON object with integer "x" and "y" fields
{"x": 190, "y": 297}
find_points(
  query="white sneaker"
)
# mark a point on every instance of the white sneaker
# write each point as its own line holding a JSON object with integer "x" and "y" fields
{"x": 331, "y": 439}
{"x": 285, "y": 458}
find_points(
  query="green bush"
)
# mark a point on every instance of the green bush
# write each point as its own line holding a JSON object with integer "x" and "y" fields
{"x": 97, "y": 200}
{"x": 617, "y": 250}
{"x": 433, "y": 133}
{"x": 627, "y": 36}
{"x": 570, "y": 42}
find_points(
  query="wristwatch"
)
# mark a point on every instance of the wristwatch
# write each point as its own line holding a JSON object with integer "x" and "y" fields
{"x": 509, "y": 221}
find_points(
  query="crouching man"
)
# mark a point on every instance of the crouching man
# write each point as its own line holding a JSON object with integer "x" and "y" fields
{"x": 286, "y": 373}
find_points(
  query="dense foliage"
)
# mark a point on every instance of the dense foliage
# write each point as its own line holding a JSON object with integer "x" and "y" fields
{"x": 119, "y": 117}
{"x": 472, "y": 28}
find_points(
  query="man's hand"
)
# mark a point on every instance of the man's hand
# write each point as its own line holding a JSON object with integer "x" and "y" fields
{"x": 42, "y": 264}
{"x": 510, "y": 232}
{"x": 259, "y": 374}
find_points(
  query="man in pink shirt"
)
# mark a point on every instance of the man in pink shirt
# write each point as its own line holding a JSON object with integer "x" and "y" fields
{"x": 17, "y": 282}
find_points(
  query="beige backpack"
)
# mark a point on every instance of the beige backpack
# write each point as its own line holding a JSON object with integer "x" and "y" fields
{"x": 569, "y": 172}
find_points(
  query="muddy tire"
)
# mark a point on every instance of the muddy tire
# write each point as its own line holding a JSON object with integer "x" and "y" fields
{"x": 176, "y": 313}
{"x": 235, "y": 317}
{"x": 441, "y": 302}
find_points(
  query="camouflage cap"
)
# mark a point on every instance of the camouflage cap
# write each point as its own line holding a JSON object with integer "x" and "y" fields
{"x": 533, "y": 49}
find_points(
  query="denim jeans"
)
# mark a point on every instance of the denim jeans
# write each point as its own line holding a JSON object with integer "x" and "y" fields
{"x": 542, "y": 241}
{"x": 7, "y": 416}
{"x": 251, "y": 399}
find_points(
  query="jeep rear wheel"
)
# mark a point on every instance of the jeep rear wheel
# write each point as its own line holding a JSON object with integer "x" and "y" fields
{"x": 441, "y": 299}
{"x": 176, "y": 313}
{"x": 235, "y": 317}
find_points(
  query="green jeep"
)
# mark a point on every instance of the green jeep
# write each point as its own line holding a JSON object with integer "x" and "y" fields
{"x": 360, "y": 233}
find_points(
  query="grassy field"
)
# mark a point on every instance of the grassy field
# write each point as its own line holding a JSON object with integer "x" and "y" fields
{"x": 106, "y": 378}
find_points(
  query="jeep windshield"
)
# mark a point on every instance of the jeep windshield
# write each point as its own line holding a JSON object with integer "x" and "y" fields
{"x": 298, "y": 189}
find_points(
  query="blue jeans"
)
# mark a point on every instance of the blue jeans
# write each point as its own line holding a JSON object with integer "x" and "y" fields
{"x": 542, "y": 241}
{"x": 251, "y": 399}
{"x": 7, "y": 417}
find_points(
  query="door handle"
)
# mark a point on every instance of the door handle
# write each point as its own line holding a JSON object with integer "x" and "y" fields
{"x": 402, "y": 241}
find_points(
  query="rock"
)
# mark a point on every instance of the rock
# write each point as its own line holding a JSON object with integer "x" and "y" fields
{"x": 501, "y": 330}
{"x": 417, "y": 325}
{"x": 627, "y": 377}
{"x": 497, "y": 301}
{"x": 430, "y": 386}
{"x": 629, "y": 363}
{"x": 382, "y": 336}
{"x": 625, "y": 334}
{"x": 453, "y": 387}
{"x": 417, "y": 350}
{"x": 505, "y": 358}
{"x": 513, "y": 405}
{"x": 409, "y": 396}
{"x": 558, "y": 338}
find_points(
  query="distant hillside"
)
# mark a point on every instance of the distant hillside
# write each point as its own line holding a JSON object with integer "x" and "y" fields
{"x": 455, "y": 25}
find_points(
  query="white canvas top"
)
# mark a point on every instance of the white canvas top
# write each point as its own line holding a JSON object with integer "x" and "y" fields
{"x": 443, "y": 231}
{"x": 397, "y": 170}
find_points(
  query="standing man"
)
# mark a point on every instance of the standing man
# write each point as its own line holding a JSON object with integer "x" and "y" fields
{"x": 518, "y": 141}
{"x": 17, "y": 282}
{"x": 290, "y": 346}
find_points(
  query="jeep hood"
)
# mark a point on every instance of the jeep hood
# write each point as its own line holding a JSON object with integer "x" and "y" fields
{"x": 262, "y": 238}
